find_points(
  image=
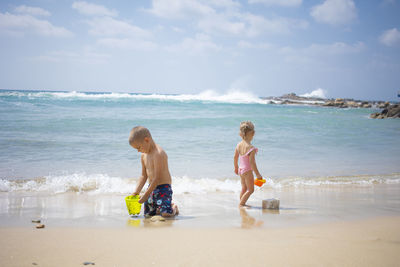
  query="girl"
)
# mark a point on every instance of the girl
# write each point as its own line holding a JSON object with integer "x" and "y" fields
{"x": 246, "y": 152}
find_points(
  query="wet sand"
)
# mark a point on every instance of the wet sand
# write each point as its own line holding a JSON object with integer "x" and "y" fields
{"x": 316, "y": 226}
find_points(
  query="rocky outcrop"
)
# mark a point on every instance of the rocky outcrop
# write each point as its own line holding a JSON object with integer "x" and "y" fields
{"x": 391, "y": 111}
{"x": 346, "y": 103}
{"x": 293, "y": 99}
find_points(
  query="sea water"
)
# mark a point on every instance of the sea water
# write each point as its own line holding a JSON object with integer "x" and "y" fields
{"x": 78, "y": 141}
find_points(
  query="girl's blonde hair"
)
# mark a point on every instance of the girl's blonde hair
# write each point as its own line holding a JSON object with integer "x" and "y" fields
{"x": 246, "y": 127}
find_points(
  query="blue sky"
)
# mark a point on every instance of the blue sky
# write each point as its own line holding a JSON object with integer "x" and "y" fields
{"x": 344, "y": 48}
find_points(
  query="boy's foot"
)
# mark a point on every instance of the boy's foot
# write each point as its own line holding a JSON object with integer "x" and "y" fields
{"x": 175, "y": 209}
{"x": 244, "y": 206}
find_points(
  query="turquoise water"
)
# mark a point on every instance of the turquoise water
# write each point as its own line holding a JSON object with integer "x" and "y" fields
{"x": 81, "y": 135}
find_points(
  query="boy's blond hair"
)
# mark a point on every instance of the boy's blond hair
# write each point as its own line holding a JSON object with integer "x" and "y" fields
{"x": 138, "y": 134}
{"x": 246, "y": 127}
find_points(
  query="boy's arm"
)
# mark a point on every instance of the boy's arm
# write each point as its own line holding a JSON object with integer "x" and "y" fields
{"x": 142, "y": 179}
{"x": 235, "y": 161}
{"x": 159, "y": 164}
{"x": 254, "y": 165}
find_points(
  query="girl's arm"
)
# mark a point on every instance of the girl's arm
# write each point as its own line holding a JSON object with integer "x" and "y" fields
{"x": 235, "y": 161}
{"x": 254, "y": 165}
{"x": 142, "y": 179}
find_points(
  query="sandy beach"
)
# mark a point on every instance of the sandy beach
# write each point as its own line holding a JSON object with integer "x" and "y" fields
{"x": 348, "y": 225}
{"x": 373, "y": 242}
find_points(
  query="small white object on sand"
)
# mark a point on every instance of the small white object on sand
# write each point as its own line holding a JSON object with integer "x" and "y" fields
{"x": 271, "y": 203}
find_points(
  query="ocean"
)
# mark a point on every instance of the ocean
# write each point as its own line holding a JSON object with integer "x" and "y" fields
{"x": 78, "y": 142}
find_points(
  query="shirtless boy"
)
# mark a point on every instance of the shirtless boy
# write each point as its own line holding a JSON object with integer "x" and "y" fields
{"x": 158, "y": 197}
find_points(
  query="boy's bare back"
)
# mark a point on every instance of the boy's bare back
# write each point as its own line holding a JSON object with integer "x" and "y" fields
{"x": 155, "y": 164}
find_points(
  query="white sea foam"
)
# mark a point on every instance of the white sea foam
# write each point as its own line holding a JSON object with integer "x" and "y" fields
{"x": 101, "y": 183}
{"x": 319, "y": 93}
{"x": 233, "y": 96}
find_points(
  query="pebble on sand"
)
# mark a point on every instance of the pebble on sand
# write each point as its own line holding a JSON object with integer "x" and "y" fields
{"x": 36, "y": 221}
{"x": 40, "y": 226}
{"x": 88, "y": 263}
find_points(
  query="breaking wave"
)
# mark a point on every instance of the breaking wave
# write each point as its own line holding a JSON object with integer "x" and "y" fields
{"x": 233, "y": 97}
{"x": 101, "y": 183}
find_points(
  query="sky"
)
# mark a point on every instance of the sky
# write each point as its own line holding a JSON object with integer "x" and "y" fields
{"x": 331, "y": 48}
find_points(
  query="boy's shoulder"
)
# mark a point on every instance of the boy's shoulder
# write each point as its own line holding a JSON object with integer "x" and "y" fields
{"x": 160, "y": 151}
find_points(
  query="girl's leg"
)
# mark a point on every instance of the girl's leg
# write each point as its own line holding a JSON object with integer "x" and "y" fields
{"x": 244, "y": 187}
{"x": 249, "y": 180}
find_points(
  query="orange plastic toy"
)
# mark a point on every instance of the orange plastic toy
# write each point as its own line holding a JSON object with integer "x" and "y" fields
{"x": 259, "y": 182}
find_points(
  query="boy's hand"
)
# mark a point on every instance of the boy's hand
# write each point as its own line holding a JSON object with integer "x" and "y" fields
{"x": 142, "y": 199}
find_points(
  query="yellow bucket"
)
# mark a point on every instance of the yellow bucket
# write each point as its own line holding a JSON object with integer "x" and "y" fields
{"x": 133, "y": 205}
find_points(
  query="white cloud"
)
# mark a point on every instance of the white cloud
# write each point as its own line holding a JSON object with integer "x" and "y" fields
{"x": 178, "y": 30}
{"x": 86, "y": 56}
{"x": 34, "y": 11}
{"x": 107, "y": 26}
{"x": 93, "y": 9}
{"x": 258, "y": 25}
{"x": 179, "y": 9}
{"x": 199, "y": 44}
{"x": 224, "y": 3}
{"x": 24, "y": 24}
{"x": 335, "y": 48}
{"x": 318, "y": 93}
{"x": 284, "y": 3}
{"x": 223, "y": 17}
{"x": 390, "y": 37}
{"x": 221, "y": 24}
{"x": 335, "y": 12}
{"x": 320, "y": 52}
{"x": 127, "y": 43}
{"x": 245, "y": 44}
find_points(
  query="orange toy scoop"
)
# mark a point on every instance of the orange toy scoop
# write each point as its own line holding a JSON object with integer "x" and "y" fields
{"x": 259, "y": 182}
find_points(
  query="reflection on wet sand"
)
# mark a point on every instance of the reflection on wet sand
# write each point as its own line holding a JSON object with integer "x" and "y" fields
{"x": 249, "y": 221}
{"x": 149, "y": 222}
{"x": 270, "y": 211}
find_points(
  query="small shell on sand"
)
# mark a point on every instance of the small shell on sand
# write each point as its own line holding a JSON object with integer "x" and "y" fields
{"x": 157, "y": 218}
{"x": 36, "y": 221}
{"x": 88, "y": 263}
{"x": 40, "y": 226}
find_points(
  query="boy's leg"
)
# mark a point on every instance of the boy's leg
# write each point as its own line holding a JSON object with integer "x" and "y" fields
{"x": 164, "y": 202}
{"x": 150, "y": 207}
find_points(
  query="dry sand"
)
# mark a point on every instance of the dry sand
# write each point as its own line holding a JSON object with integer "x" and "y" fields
{"x": 370, "y": 242}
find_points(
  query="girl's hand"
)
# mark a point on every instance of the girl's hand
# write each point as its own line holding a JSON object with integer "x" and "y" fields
{"x": 237, "y": 170}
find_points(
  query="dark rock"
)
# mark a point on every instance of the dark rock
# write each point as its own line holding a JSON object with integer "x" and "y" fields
{"x": 392, "y": 111}
{"x": 40, "y": 226}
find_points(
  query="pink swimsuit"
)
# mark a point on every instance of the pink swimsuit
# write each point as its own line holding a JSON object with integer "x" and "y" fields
{"x": 244, "y": 161}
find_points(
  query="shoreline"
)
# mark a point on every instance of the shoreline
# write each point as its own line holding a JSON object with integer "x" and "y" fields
{"x": 298, "y": 206}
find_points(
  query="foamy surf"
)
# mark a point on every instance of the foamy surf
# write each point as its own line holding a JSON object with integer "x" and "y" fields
{"x": 232, "y": 97}
{"x": 104, "y": 184}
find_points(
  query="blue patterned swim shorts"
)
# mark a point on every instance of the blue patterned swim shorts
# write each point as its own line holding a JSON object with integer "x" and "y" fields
{"x": 160, "y": 199}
